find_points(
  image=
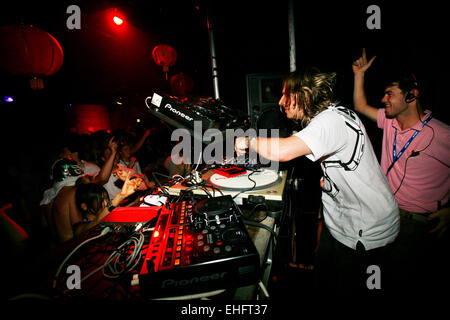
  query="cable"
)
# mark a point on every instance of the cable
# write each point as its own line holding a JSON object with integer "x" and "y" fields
{"x": 250, "y": 189}
{"x": 147, "y": 103}
{"x": 260, "y": 225}
{"x": 198, "y": 161}
{"x": 252, "y": 212}
{"x": 404, "y": 175}
{"x": 177, "y": 176}
{"x": 435, "y": 158}
{"x": 160, "y": 185}
{"x": 213, "y": 187}
{"x": 413, "y": 154}
{"x": 264, "y": 290}
{"x": 104, "y": 232}
{"x": 115, "y": 263}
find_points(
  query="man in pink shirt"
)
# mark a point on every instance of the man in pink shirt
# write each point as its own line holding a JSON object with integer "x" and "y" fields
{"x": 416, "y": 160}
{"x": 423, "y": 169}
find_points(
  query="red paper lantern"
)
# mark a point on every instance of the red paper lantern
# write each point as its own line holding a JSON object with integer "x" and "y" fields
{"x": 30, "y": 51}
{"x": 164, "y": 56}
{"x": 181, "y": 84}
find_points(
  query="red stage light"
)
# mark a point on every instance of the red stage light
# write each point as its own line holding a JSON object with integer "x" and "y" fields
{"x": 118, "y": 21}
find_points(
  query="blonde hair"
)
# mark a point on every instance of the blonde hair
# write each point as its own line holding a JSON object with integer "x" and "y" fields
{"x": 313, "y": 91}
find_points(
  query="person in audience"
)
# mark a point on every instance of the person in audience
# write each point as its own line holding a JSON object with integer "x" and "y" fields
{"x": 66, "y": 172}
{"x": 415, "y": 158}
{"x": 128, "y": 161}
{"x": 82, "y": 206}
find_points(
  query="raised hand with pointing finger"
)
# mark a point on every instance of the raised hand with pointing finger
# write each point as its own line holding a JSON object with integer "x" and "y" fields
{"x": 359, "y": 96}
{"x": 361, "y": 65}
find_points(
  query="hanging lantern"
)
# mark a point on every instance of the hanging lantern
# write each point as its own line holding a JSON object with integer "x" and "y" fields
{"x": 181, "y": 84}
{"x": 164, "y": 56}
{"x": 30, "y": 51}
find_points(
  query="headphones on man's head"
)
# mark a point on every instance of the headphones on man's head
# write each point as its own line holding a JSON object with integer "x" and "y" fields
{"x": 411, "y": 83}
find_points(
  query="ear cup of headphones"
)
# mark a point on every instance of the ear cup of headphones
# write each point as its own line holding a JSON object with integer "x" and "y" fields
{"x": 410, "y": 97}
{"x": 411, "y": 84}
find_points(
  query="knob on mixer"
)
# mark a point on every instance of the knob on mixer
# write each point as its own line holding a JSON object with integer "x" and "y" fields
{"x": 233, "y": 235}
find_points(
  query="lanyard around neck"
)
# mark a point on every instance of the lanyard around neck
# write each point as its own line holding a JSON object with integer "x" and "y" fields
{"x": 396, "y": 156}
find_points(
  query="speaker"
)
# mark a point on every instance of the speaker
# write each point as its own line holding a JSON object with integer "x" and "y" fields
{"x": 263, "y": 93}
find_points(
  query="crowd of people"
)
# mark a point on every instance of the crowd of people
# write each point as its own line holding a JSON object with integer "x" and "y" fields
{"x": 94, "y": 173}
{"x": 393, "y": 215}
{"x": 56, "y": 195}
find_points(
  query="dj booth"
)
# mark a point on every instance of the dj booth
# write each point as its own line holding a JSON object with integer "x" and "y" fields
{"x": 190, "y": 247}
{"x": 268, "y": 189}
{"x": 195, "y": 238}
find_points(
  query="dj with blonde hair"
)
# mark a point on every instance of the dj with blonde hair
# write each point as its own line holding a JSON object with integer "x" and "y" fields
{"x": 360, "y": 212}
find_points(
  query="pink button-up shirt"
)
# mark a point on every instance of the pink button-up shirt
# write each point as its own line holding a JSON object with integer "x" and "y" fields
{"x": 420, "y": 177}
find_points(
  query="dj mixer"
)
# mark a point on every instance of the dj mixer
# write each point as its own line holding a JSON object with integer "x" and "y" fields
{"x": 198, "y": 246}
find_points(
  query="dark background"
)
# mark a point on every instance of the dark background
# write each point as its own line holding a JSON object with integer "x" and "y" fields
{"x": 104, "y": 64}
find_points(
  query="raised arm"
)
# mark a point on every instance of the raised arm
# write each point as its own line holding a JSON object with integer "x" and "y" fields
{"x": 106, "y": 169}
{"x": 128, "y": 188}
{"x": 134, "y": 148}
{"x": 359, "y": 96}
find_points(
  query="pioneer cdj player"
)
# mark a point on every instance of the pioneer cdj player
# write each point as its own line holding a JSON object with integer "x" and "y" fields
{"x": 183, "y": 113}
{"x": 199, "y": 246}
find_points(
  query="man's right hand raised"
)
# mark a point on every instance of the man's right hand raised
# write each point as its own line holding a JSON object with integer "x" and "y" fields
{"x": 361, "y": 65}
{"x": 359, "y": 96}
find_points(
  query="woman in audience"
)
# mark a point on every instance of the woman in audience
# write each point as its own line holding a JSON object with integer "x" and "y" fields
{"x": 83, "y": 206}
